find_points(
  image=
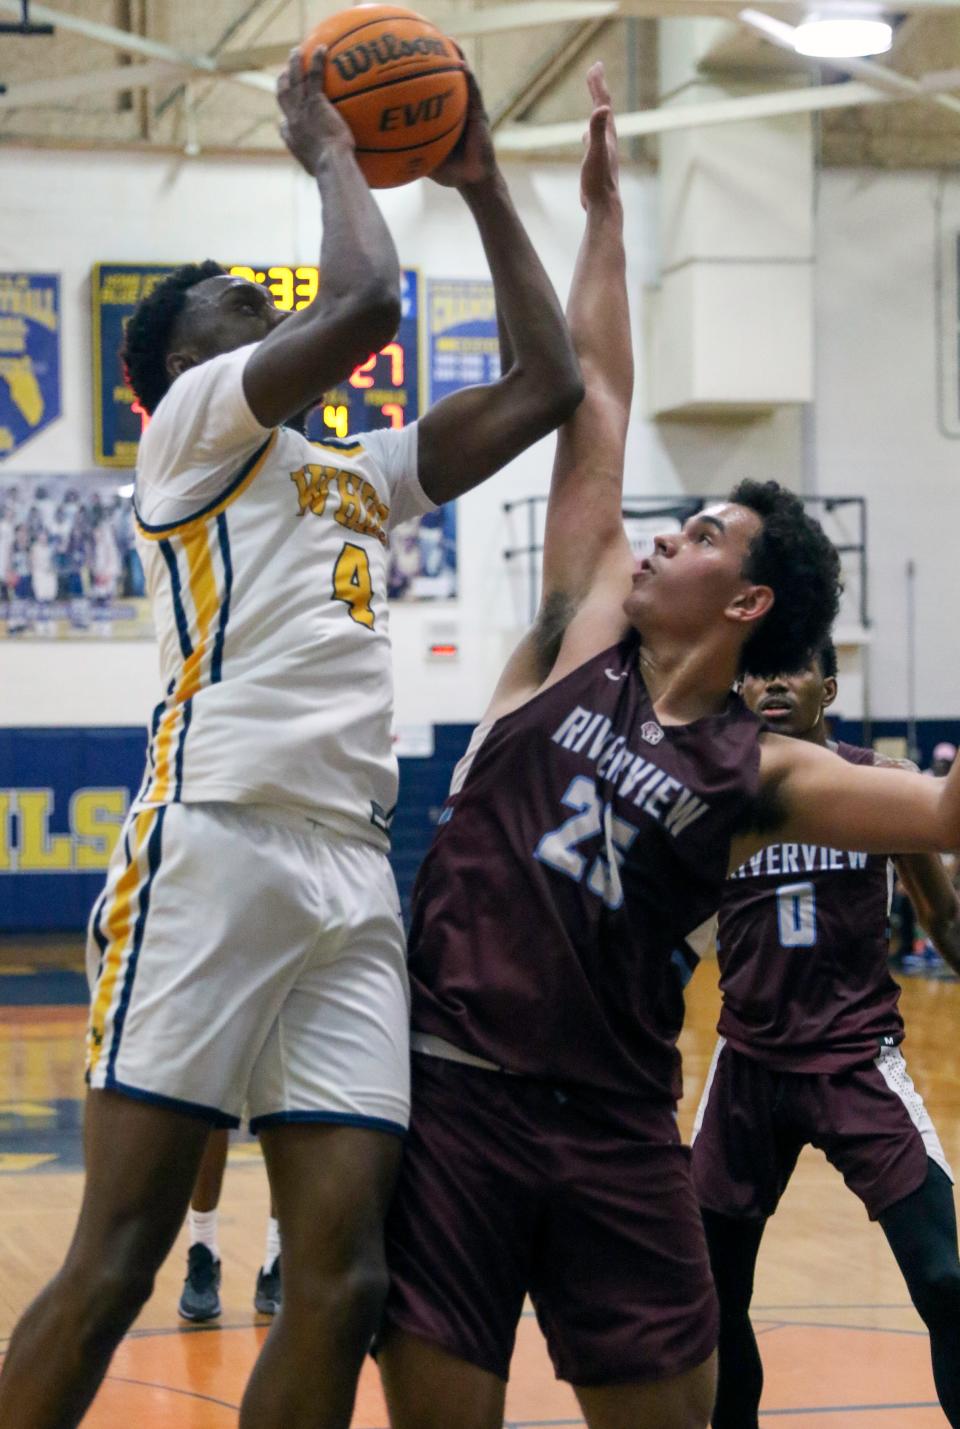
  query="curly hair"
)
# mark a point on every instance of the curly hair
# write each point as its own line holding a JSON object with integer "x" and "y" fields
{"x": 827, "y": 659}
{"x": 146, "y": 340}
{"x": 792, "y": 555}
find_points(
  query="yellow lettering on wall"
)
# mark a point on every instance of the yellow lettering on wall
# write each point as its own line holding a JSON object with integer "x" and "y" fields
{"x": 6, "y": 858}
{"x": 96, "y": 817}
{"x": 40, "y": 852}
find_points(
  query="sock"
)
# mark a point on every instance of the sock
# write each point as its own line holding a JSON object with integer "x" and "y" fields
{"x": 202, "y": 1226}
{"x": 273, "y": 1244}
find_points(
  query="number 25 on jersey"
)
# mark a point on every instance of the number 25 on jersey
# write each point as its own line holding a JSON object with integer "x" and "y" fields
{"x": 593, "y": 820}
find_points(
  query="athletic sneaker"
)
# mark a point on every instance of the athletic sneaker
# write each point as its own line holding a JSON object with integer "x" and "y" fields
{"x": 269, "y": 1294}
{"x": 201, "y": 1289}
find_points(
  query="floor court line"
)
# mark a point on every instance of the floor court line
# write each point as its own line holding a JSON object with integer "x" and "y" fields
{"x": 172, "y": 1389}
{"x": 848, "y": 1409}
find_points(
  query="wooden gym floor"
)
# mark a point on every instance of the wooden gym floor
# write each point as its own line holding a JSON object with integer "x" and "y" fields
{"x": 842, "y": 1347}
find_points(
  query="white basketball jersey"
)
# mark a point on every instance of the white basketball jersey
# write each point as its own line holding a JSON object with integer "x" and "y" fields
{"x": 266, "y": 561}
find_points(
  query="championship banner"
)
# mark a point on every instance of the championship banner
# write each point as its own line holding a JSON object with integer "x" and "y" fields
{"x": 462, "y": 327}
{"x": 29, "y": 356}
{"x": 383, "y": 392}
{"x": 68, "y": 565}
{"x": 462, "y": 350}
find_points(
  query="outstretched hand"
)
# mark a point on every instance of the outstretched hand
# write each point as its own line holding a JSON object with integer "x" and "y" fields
{"x": 600, "y": 171}
{"x": 310, "y": 122}
{"x": 472, "y": 159}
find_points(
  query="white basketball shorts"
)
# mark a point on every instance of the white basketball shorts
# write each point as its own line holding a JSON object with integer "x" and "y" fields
{"x": 245, "y": 956}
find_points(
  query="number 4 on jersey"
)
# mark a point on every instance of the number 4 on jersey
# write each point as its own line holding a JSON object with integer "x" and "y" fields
{"x": 353, "y": 585}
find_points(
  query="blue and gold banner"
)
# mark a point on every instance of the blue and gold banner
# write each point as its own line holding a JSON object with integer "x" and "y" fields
{"x": 29, "y": 356}
{"x": 462, "y": 328}
{"x": 462, "y": 350}
{"x": 65, "y": 792}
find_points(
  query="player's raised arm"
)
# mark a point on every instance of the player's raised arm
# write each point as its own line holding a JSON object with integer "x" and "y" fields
{"x": 471, "y": 434}
{"x": 935, "y": 902}
{"x": 587, "y": 559}
{"x": 357, "y": 309}
{"x": 584, "y": 532}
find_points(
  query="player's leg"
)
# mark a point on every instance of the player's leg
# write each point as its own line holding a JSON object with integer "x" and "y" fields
{"x": 459, "y": 1239}
{"x": 682, "y": 1402}
{"x": 332, "y": 1186}
{"x": 734, "y": 1244}
{"x": 268, "y": 1292}
{"x": 922, "y": 1231}
{"x": 876, "y": 1130}
{"x": 200, "y": 1298}
{"x": 744, "y": 1151}
{"x": 141, "y": 1164}
{"x": 329, "y": 1097}
{"x": 426, "y": 1387}
{"x": 621, "y": 1277}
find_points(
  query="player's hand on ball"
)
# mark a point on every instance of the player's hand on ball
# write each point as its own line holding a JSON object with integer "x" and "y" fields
{"x": 472, "y": 160}
{"x": 310, "y": 124}
{"x": 600, "y": 171}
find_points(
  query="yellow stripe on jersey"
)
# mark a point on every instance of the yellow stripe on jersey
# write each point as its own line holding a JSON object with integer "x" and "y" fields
{"x": 117, "y": 924}
{"x": 210, "y": 513}
{"x": 159, "y": 790}
{"x": 206, "y": 603}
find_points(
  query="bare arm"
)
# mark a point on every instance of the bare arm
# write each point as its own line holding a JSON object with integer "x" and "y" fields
{"x": 587, "y": 559}
{"x": 811, "y": 795}
{"x": 357, "y": 309}
{"x": 471, "y": 434}
{"x": 935, "y": 902}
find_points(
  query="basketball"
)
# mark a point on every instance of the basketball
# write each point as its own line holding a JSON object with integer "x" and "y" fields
{"x": 399, "y": 83}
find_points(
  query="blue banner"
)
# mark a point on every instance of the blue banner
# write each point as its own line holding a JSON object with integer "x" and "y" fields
{"x": 64, "y": 794}
{"x": 29, "y": 356}
{"x": 462, "y": 334}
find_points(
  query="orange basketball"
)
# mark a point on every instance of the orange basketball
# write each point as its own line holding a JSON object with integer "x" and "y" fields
{"x": 400, "y": 85}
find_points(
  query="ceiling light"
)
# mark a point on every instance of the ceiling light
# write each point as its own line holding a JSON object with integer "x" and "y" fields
{"x": 842, "y": 37}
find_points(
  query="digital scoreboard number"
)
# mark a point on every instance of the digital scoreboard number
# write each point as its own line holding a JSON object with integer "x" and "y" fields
{"x": 383, "y": 392}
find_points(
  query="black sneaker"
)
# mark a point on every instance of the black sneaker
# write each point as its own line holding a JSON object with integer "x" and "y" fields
{"x": 268, "y": 1295}
{"x": 201, "y": 1289}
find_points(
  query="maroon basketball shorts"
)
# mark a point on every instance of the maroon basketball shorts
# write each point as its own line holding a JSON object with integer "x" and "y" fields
{"x": 511, "y": 1186}
{"x": 753, "y": 1122}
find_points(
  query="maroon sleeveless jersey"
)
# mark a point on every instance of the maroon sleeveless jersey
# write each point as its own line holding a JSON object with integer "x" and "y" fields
{"x": 802, "y": 943}
{"x": 580, "y": 846}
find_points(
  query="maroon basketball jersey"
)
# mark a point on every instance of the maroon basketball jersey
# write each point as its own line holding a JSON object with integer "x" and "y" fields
{"x": 580, "y": 845}
{"x": 802, "y": 943}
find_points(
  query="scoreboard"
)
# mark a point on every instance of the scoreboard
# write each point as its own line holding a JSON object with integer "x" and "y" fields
{"x": 383, "y": 392}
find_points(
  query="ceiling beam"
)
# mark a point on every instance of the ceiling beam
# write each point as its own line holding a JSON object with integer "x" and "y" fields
{"x": 132, "y": 43}
{"x": 537, "y": 138}
{"x": 551, "y": 68}
{"x": 99, "y": 81}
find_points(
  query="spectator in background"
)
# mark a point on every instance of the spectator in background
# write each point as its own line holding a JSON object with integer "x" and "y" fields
{"x": 6, "y": 546}
{"x": 43, "y": 575}
{"x": 944, "y": 754}
{"x": 18, "y": 580}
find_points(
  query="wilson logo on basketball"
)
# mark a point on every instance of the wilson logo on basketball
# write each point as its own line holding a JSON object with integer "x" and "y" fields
{"x": 407, "y": 116}
{"x": 385, "y": 49}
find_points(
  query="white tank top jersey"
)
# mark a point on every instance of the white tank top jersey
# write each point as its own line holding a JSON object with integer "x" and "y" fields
{"x": 266, "y": 562}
